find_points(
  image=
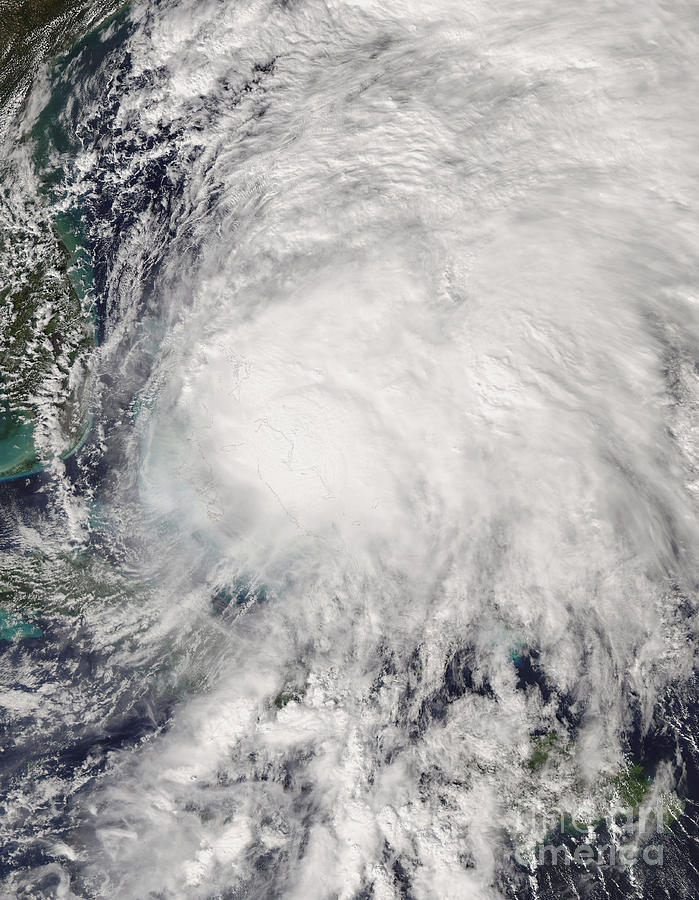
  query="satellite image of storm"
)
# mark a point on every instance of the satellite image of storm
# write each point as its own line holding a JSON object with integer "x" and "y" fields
{"x": 349, "y": 449}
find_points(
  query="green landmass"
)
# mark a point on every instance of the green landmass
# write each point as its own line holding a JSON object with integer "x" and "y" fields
{"x": 542, "y": 747}
{"x": 631, "y": 787}
{"x": 47, "y": 329}
{"x": 36, "y": 583}
{"x": 566, "y": 801}
{"x": 33, "y": 31}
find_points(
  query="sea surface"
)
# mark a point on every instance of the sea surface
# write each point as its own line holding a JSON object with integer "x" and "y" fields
{"x": 349, "y": 380}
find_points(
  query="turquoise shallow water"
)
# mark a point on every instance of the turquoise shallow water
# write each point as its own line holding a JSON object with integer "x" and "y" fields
{"x": 18, "y": 454}
{"x": 17, "y": 451}
{"x": 12, "y": 627}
